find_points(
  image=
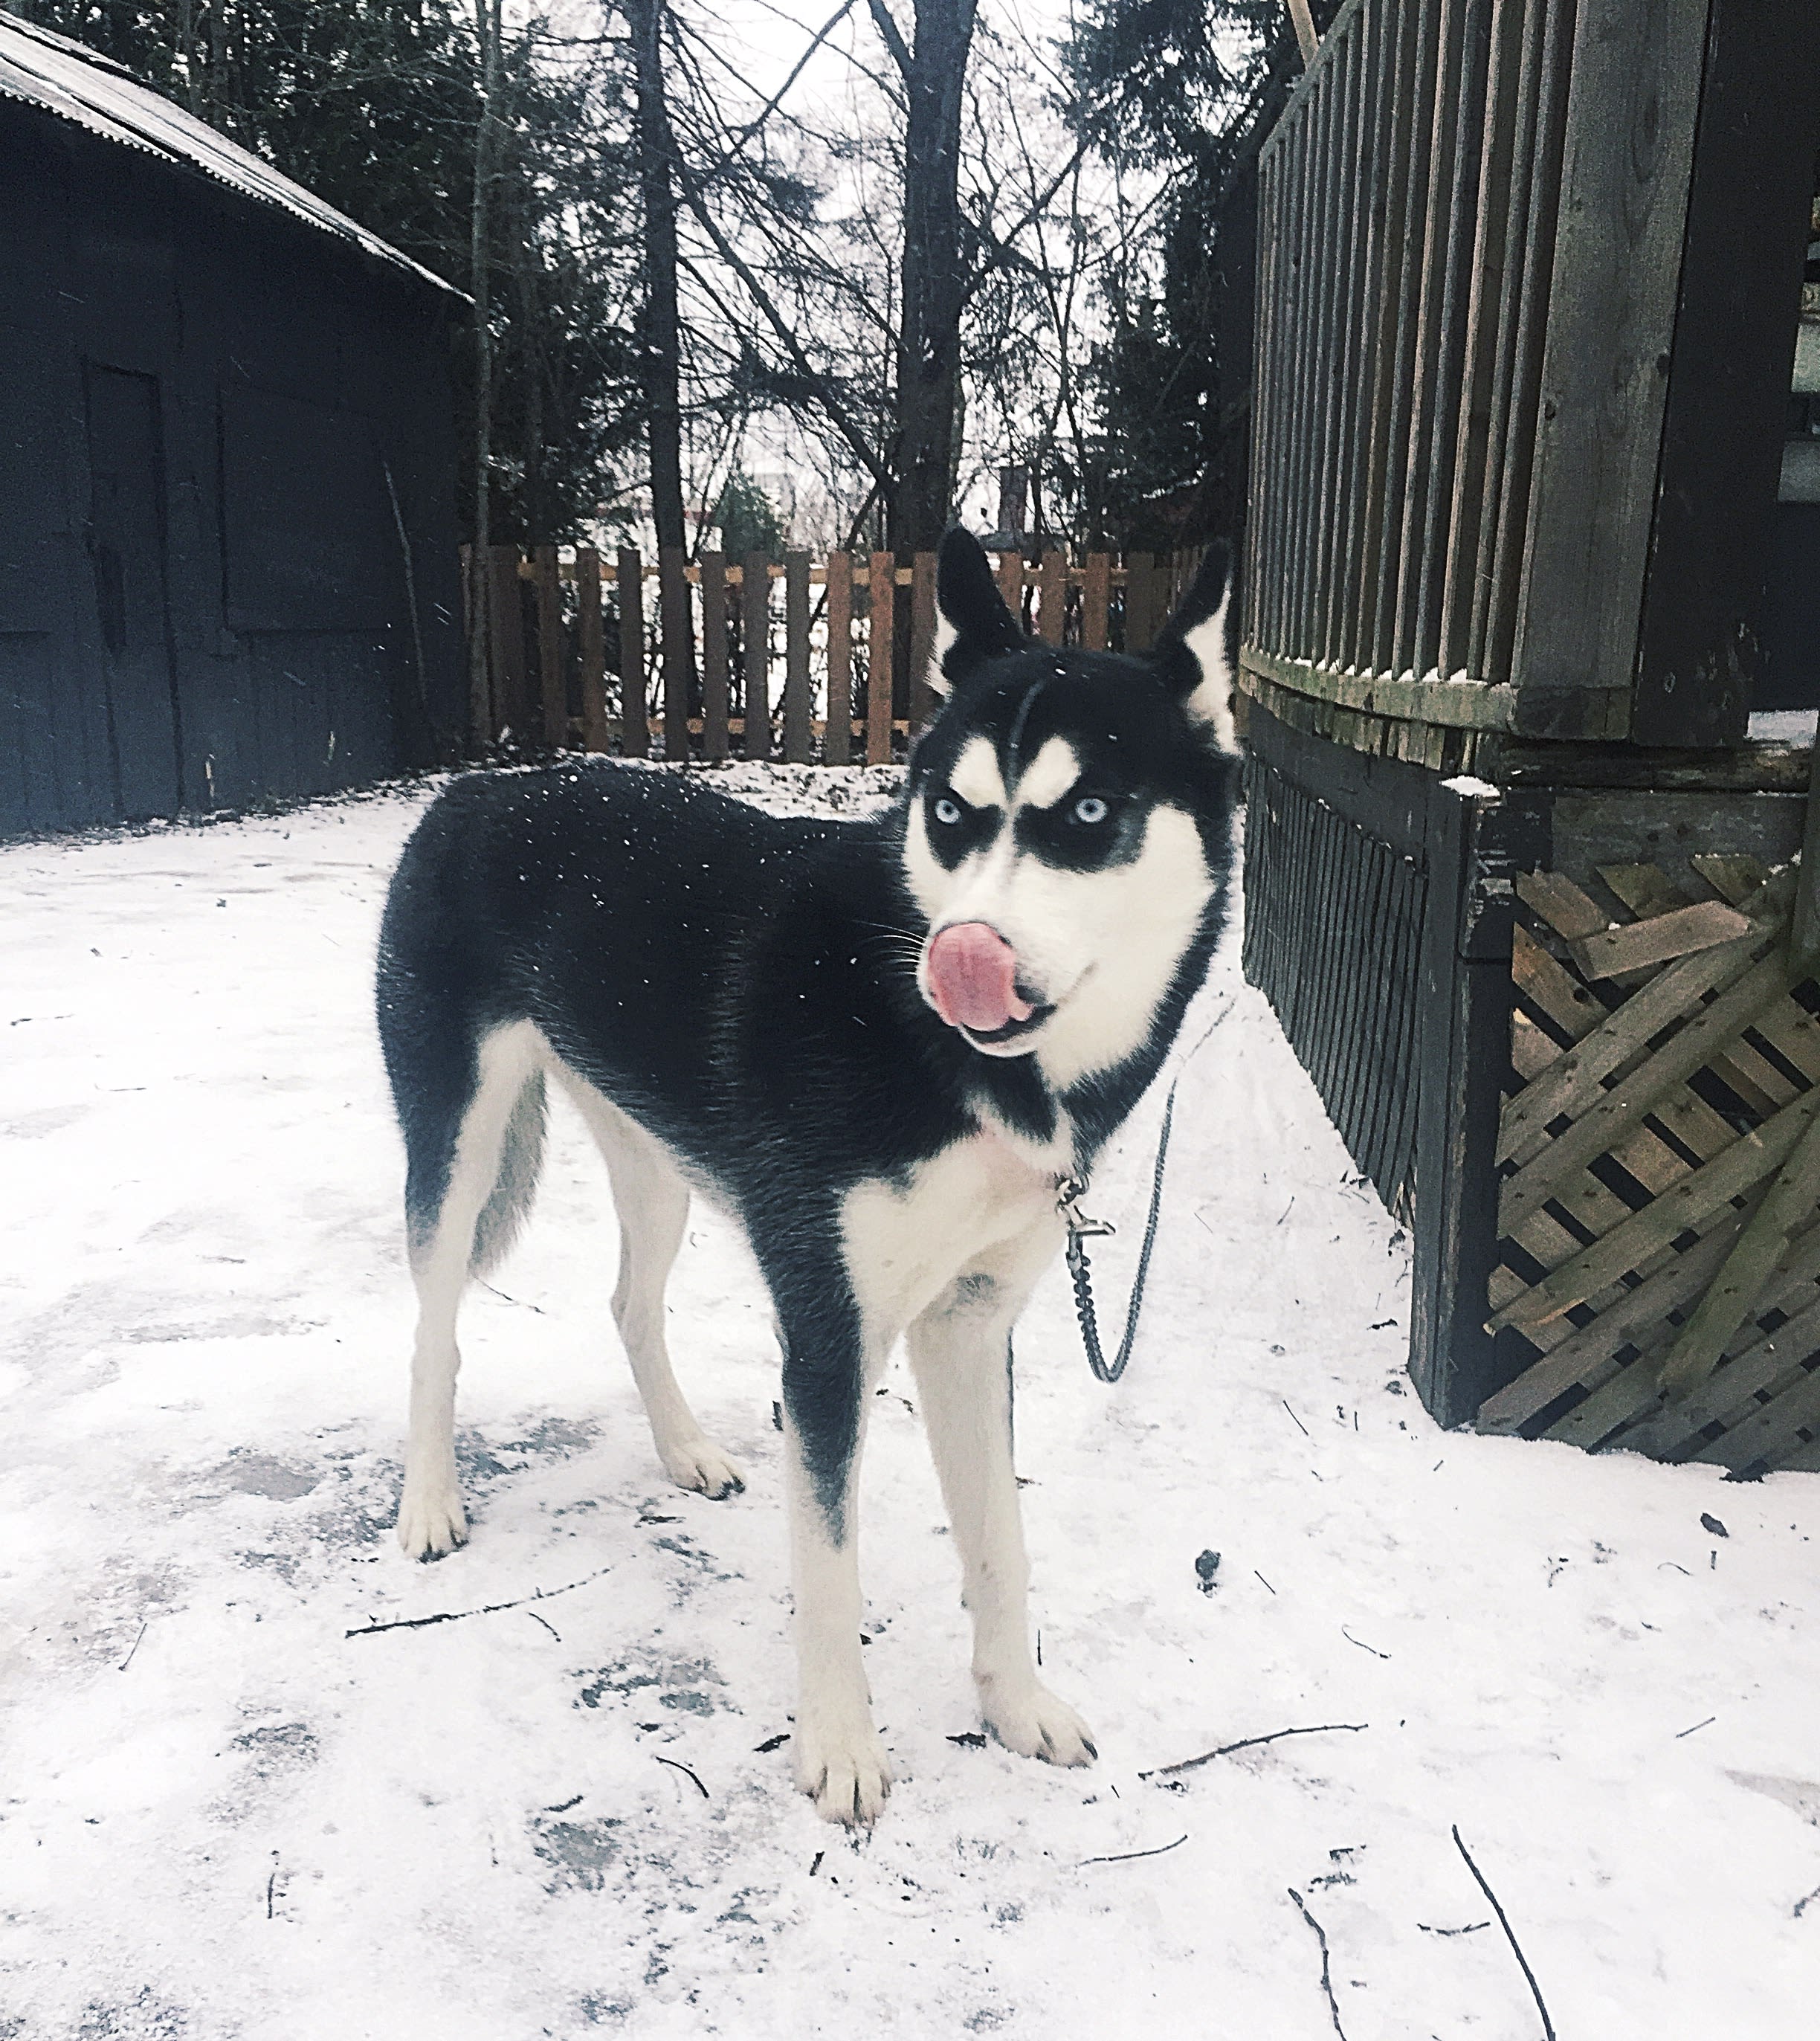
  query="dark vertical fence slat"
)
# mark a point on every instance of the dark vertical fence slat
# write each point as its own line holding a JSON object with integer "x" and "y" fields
{"x": 1331, "y": 280}
{"x": 635, "y": 722}
{"x": 1137, "y": 602}
{"x": 798, "y": 702}
{"x": 881, "y": 636}
{"x": 1407, "y": 306}
{"x": 756, "y": 605}
{"x": 505, "y": 630}
{"x": 1364, "y": 977}
{"x": 1372, "y": 174}
{"x": 922, "y": 637}
{"x": 1356, "y": 924}
{"x": 591, "y": 649}
{"x": 837, "y": 734}
{"x": 1293, "y": 520}
{"x": 1529, "y": 176}
{"x": 715, "y": 745}
{"x": 1381, "y": 313}
{"x": 1352, "y": 204}
{"x": 1467, "y": 64}
{"x": 552, "y": 679}
{"x": 1283, "y": 393}
{"x": 1510, "y": 74}
{"x": 676, "y": 632}
{"x": 481, "y": 723}
{"x": 1256, "y": 577}
{"x": 1534, "y": 284}
{"x": 1450, "y": 70}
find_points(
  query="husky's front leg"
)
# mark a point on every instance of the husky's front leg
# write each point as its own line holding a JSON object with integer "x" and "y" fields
{"x": 840, "y": 1762}
{"x": 960, "y": 1352}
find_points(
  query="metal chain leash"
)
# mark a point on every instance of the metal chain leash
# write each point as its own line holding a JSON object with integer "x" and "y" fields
{"x": 1070, "y": 1191}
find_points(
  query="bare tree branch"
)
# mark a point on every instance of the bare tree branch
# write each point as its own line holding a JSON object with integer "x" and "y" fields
{"x": 893, "y": 38}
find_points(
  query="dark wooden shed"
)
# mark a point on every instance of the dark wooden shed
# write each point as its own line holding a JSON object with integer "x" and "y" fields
{"x": 228, "y": 569}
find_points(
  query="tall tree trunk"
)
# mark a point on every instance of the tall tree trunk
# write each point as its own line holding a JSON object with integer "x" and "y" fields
{"x": 660, "y": 342}
{"x": 933, "y": 283}
{"x": 487, "y": 22}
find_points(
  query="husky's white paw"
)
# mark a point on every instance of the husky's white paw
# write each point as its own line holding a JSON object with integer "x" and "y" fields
{"x": 431, "y": 1521}
{"x": 699, "y": 1464}
{"x": 1034, "y": 1723}
{"x": 844, "y": 1772}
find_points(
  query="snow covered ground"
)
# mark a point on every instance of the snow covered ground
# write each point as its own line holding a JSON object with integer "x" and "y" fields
{"x": 222, "y": 1815}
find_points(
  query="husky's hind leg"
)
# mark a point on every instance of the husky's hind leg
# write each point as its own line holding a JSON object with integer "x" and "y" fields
{"x": 472, "y": 1167}
{"x": 652, "y": 1201}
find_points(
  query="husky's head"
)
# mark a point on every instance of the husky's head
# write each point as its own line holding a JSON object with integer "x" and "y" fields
{"x": 1068, "y": 821}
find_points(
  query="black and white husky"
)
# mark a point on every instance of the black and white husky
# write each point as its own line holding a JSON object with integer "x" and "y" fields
{"x": 882, "y": 1044}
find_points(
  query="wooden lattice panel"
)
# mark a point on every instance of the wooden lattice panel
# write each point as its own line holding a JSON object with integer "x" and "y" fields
{"x": 1659, "y": 1153}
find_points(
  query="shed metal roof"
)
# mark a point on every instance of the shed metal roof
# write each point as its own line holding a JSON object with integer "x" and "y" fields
{"x": 80, "y": 85}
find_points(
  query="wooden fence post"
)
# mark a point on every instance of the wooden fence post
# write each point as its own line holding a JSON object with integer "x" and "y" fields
{"x": 714, "y": 657}
{"x": 505, "y": 618}
{"x": 798, "y": 704}
{"x": 757, "y": 607}
{"x": 473, "y": 621}
{"x": 552, "y": 678}
{"x": 837, "y": 734}
{"x": 1052, "y": 613}
{"x": 1095, "y": 598}
{"x": 676, "y": 631}
{"x": 590, "y": 645}
{"x": 1011, "y": 585}
{"x": 922, "y": 696}
{"x": 881, "y": 635}
{"x": 635, "y": 724}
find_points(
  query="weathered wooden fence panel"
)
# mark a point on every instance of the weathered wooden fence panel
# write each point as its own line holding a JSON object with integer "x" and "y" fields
{"x": 575, "y": 658}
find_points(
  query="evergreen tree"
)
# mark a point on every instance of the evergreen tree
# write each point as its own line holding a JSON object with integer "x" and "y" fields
{"x": 1182, "y": 92}
{"x": 747, "y": 518}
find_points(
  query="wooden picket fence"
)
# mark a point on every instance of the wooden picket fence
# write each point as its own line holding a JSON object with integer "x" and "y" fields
{"x": 1661, "y": 1156}
{"x": 577, "y": 654}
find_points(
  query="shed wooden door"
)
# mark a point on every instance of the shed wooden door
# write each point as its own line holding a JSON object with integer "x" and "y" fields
{"x": 127, "y": 552}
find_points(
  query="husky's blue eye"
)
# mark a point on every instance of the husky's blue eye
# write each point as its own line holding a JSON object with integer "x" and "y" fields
{"x": 947, "y": 811}
{"x": 1090, "y": 808}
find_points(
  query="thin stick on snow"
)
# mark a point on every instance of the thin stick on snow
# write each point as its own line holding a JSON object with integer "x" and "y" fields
{"x": 1326, "y": 1965}
{"x": 675, "y": 1766}
{"x": 461, "y": 1614}
{"x": 522, "y": 1304}
{"x": 1129, "y": 1856}
{"x": 137, "y": 1642}
{"x": 1509, "y": 1935}
{"x": 1246, "y": 1743}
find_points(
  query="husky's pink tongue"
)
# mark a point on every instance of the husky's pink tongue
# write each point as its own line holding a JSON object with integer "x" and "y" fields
{"x": 973, "y": 978}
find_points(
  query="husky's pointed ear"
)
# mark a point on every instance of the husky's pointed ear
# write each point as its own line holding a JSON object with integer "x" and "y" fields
{"x": 971, "y": 622}
{"x": 1191, "y": 653}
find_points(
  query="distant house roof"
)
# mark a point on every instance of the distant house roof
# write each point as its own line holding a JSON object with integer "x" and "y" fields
{"x": 79, "y": 85}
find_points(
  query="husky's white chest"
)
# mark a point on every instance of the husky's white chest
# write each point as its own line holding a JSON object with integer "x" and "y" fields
{"x": 905, "y": 1243}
